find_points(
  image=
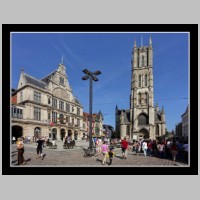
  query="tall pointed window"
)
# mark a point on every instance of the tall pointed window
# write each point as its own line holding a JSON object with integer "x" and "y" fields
{"x": 140, "y": 79}
{"x": 142, "y": 64}
{"x": 145, "y": 80}
{"x": 139, "y": 98}
{"x": 146, "y": 98}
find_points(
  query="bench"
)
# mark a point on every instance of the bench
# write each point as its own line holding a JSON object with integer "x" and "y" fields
{"x": 50, "y": 145}
{"x": 68, "y": 145}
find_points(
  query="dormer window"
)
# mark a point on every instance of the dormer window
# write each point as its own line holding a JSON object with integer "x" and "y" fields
{"x": 61, "y": 80}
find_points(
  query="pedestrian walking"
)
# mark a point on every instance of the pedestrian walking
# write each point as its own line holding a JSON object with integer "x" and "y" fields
{"x": 94, "y": 141}
{"x": 168, "y": 148}
{"x": 110, "y": 154}
{"x": 124, "y": 146}
{"x": 174, "y": 151}
{"x": 20, "y": 148}
{"x": 144, "y": 147}
{"x": 39, "y": 149}
{"x": 161, "y": 149}
{"x": 150, "y": 147}
{"x": 139, "y": 145}
{"x": 104, "y": 150}
{"x": 185, "y": 151}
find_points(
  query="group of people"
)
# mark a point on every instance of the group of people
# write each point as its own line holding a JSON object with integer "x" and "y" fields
{"x": 20, "y": 148}
{"x": 163, "y": 149}
{"x": 67, "y": 139}
{"x": 103, "y": 149}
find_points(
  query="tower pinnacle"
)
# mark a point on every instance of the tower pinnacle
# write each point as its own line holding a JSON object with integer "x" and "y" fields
{"x": 62, "y": 60}
{"x": 150, "y": 41}
{"x": 135, "y": 45}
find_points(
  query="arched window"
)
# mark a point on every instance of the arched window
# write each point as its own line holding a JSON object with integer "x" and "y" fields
{"x": 140, "y": 79}
{"x": 139, "y": 98}
{"x": 145, "y": 80}
{"x": 143, "y": 119}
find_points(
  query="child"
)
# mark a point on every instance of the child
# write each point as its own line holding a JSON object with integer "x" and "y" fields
{"x": 110, "y": 154}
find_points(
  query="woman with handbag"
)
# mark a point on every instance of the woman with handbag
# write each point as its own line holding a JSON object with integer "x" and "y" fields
{"x": 20, "y": 148}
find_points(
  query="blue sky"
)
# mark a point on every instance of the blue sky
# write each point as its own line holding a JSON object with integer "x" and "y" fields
{"x": 40, "y": 53}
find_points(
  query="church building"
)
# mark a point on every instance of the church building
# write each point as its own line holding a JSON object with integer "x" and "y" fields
{"x": 142, "y": 119}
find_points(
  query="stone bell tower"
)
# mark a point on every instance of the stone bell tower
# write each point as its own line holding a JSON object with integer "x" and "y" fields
{"x": 142, "y": 113}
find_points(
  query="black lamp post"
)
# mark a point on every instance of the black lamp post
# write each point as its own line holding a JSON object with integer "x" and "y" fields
{"x": 92, "y": 76}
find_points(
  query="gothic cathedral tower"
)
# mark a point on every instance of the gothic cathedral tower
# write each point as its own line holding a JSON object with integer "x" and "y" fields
{"x": 142, "y": 112}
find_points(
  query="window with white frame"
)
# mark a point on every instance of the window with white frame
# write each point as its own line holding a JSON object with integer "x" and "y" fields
{"x": 54, "y": 103}
{"x": 61, "y": 105}
{"x": 17, "y": 113}
{"x": 54, "y": 117}
{"x": 37, "y": 113}
{"x": 67, "y": 107}
{"x": 37, "y": 97}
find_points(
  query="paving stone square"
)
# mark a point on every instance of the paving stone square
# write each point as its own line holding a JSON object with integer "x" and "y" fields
{"x": 75, "y": 157}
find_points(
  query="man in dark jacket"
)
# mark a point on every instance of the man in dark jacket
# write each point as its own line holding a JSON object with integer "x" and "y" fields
{"x": 40, "y": 143}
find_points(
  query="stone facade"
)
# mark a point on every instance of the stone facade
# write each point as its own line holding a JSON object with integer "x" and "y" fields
{"x": 178, "y": 131}
{"x": 185, "y": 124}
{"x": 46, "y": 107}
{"x": 142, "y": 120}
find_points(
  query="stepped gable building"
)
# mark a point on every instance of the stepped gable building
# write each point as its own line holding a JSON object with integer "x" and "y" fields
{"x": 46, "y": 107}
{"x": 142, "y": 120}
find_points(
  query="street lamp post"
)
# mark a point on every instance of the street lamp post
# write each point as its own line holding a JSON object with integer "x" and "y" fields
{"x": 92, "y": 77}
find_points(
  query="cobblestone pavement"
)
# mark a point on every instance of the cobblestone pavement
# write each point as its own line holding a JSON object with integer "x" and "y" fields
{"x": 75, "y": 157}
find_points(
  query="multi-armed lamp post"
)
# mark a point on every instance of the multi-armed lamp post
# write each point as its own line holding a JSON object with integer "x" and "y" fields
{"x": 92, "y": 76}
